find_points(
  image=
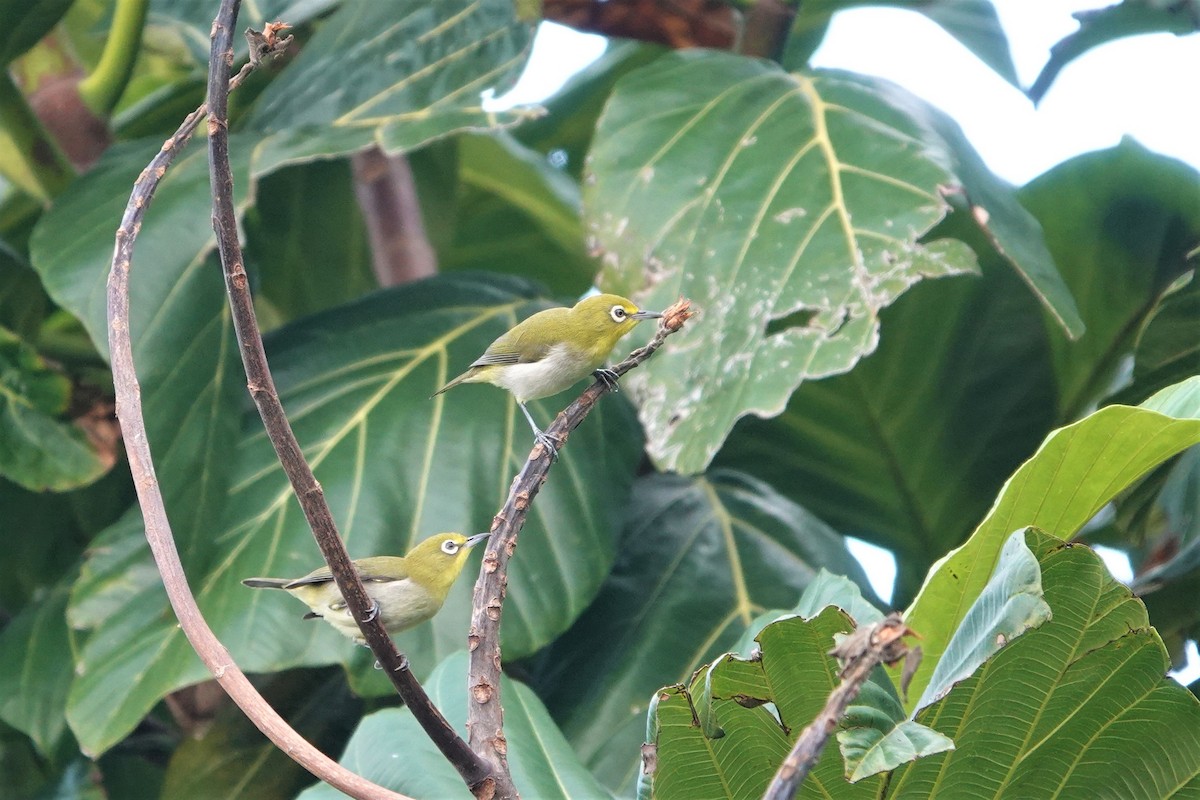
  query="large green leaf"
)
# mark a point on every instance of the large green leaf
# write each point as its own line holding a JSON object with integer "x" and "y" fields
{"x": 1079, "y": 707}
{"x": 306, "y": 241}
{"x": 395, "y": 466}
{"x": 1010, "y": 603}
{"x": 701, "y": 558}
{"x": 1102, "y": 25}
{"x": 1077, "y": 471}
{"x": 25, "y": 23}
{"x": 974, "y": 23}
{"x": 229, "y": 758}
{"x": 391, "y": 749}
{"x": 507, "y": 210}
{"x": 859, "y": 449}
{"x": 38, "y": 449}
{"x": 192, "y": 19}
{"x": 35, "y": 670}
{"x": 791, "y": 230}
{"x": 1120, "y": 223}
{"x": 744, "y": 742}
{"x": 418, "y": 72}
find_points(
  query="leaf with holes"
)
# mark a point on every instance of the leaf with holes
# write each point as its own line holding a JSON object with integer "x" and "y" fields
{"x": 395, "y": 466}
{"x": 791, "y": 209}
{"x": 700, "y": 559}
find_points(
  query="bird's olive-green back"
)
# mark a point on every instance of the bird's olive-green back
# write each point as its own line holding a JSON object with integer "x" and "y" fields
{"x": 589, "y": 327}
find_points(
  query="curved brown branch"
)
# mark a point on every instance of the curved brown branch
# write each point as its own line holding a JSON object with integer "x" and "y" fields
{"x": 485, "y": 717}
{"x": 475, "y": 771}
{"x": 158, "y": 529}
{"x": 860, "y": 653}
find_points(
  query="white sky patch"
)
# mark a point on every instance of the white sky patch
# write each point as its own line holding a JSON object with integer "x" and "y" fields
{"x": 879, "y": 564}
{"x": 1117, "y": 563}
{"x": 558, "y": 53}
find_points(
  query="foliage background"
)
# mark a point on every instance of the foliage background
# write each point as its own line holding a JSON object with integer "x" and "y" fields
{"x": 888, "y": 332}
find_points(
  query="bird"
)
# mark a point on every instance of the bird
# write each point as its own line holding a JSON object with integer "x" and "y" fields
{"x": 405, "y": 591}
{"x": 554, "y": 349}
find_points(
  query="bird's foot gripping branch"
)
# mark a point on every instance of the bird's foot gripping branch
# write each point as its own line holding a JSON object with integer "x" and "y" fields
{"x": 485, "y": 717}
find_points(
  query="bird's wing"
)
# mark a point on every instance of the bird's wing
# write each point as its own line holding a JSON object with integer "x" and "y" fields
{"x": 522, "y": 344}
{"x": 379, "y": 568}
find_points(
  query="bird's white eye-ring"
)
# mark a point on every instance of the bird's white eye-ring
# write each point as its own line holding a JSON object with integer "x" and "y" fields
{"x": 450, "y": 547}
{"x": 617, "y": 313}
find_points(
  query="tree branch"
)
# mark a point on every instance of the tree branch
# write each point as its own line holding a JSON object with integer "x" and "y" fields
{"x": 485, "y": 716}
{"x": 387, "y": 196}
{"x": 475, "y": 771}
{"x": 158, "y": 529}
{"x": 860, "y": 653}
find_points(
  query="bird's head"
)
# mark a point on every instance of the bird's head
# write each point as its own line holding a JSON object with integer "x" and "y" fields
{"x": 436, "y": 562}
{"x": 604, "y": 318}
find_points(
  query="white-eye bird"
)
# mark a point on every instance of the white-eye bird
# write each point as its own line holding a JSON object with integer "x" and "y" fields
{"x": 554, "y": 349}
{"x": 406, "y": 591}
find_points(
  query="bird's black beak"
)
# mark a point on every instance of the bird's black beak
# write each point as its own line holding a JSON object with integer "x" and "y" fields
{"x": 645, "y": 315}
{"x": 476, "y": 539}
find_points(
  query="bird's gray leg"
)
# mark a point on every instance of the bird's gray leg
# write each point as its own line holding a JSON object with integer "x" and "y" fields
{"x": 608, "y": 377}
{"x": 539, "y": 434}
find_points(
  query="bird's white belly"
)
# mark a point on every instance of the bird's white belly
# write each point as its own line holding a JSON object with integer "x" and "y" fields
{"x": 557, "y": 371}
{"x": 404, "y": 604}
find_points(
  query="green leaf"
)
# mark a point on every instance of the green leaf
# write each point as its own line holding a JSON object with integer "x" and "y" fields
{"x": 827, "y": 589}
{"x": 1077, "y": 706}
{"x": 38, "y": 449}
{"x": 192, "y": 20}
{"x": 25, "y": 23}
{"x": 35, "y": 670}
{"x": 512, "y": 212}
{"x": 807, "y": 221}
{"x": 306, "y": 240}
{"x": 1077, "y": 470}
{"x": 1010, "y": 604}
{"x": 973, "y": 23}
{"x": 390, "y": 749}
{"x": 1168, "y": 346}
{"x": 700, "y": 559}
{"x": 885, "y": 744}
{"x": 422, "y": 69}
{"x": 1102, "y": 25}
{"x": 230, "y": 758}
{"x": 395, "y": 467}
{"x": 795, "y": 673}
{"x": 22, "y": 300}
{"x": 1120, "y": 223}
{"x": 859, "y": 451}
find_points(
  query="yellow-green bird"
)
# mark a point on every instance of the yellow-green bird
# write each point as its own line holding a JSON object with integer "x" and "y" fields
{"x": 554, "y": 349}
{"x": 406, "y": 591}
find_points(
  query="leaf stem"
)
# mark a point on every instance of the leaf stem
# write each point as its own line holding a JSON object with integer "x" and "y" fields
{"x": 102, "y": 89}
{"x": 29, "y": 156}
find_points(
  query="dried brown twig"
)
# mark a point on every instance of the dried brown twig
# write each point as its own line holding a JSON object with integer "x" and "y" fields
{"x": 141, "y": 464}
{"x": 476, "y": 772}
{"x": 485, "y": 716}
{"x": 860, "y": 653}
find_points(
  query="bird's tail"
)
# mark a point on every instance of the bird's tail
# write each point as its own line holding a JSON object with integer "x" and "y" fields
{"x": 266, "y": 583}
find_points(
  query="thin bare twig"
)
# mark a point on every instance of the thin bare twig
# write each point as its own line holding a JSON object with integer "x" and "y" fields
{"x": 475, "y": 771}
{"x": 860, "y": 653}
{"x": 485, "y": 716}
{"x": 158, "y": 529}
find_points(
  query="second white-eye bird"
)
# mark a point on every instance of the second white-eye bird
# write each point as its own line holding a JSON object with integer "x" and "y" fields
{"x": 406, "y": 591}
{"x": 554, "y": 349}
